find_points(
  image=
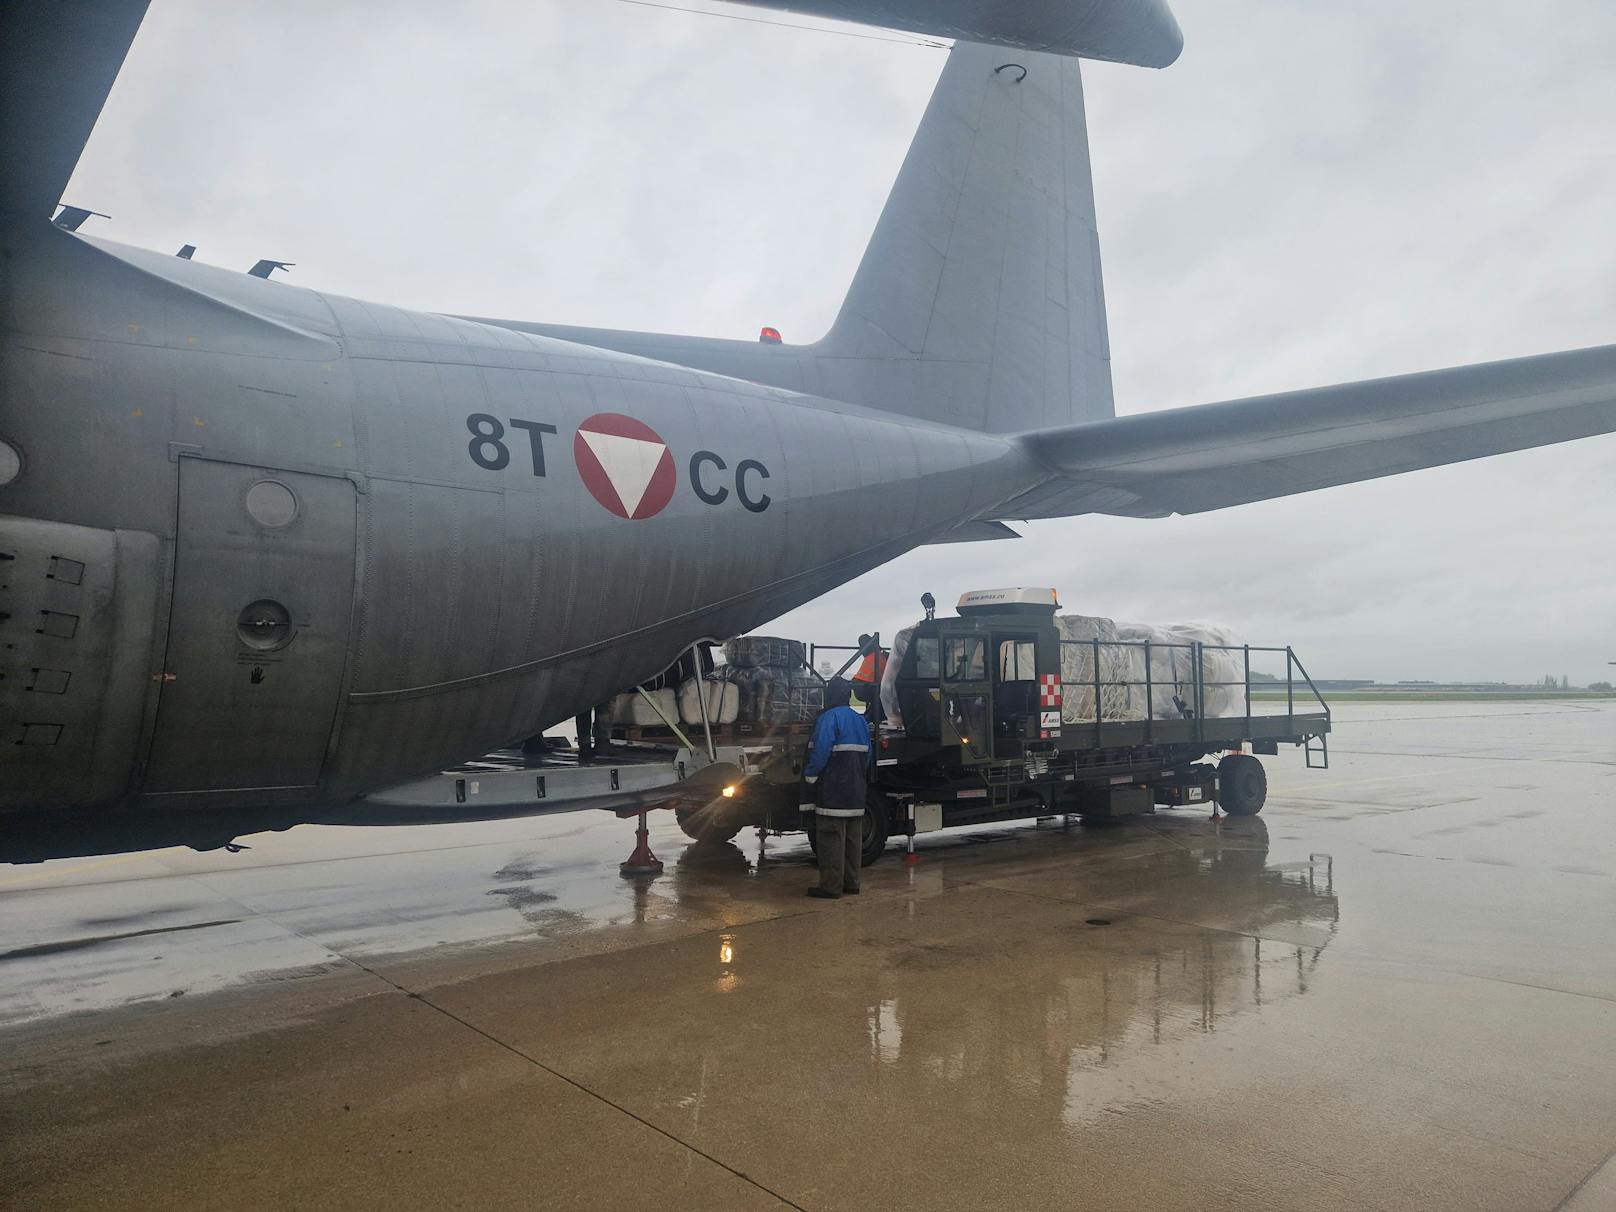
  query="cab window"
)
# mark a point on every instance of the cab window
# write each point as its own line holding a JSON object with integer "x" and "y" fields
{"x": 963, "y": 660}
{"x": 926, "y": 657}
{"x": 1017, "y": 662}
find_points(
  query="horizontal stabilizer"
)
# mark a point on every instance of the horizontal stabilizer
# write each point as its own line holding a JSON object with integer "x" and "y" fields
{"x": 1142, "y": 32}
{"x": 58, "y": 59}
{"x": 1189, "y": 460}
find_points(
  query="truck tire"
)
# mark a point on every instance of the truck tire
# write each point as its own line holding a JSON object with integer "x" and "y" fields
{"x": 1242, "y": 784}
{"x": 709, "y": 822}
{"x": 877, "y": 826}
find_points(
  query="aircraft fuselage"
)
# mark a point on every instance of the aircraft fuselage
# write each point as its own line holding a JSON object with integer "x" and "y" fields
{"x": 278, "y": 547}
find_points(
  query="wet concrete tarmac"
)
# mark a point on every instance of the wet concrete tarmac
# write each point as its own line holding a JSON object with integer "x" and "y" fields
{"x": 1395, "y": 989}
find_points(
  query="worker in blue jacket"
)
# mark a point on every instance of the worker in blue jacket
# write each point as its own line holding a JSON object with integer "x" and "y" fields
{"x": 838, "y": 763}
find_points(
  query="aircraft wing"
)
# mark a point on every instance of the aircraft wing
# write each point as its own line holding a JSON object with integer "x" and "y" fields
{"x": 58, "y": 59}
{"x": 1190, "y": 460}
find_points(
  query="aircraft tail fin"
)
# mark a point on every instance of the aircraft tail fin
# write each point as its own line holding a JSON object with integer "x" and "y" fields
{"x": 979, "y": 299}
{"x": 978, "y": 302}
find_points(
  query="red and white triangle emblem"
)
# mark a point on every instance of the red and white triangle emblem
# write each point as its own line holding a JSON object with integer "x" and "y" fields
{"x": 625, "y": 464}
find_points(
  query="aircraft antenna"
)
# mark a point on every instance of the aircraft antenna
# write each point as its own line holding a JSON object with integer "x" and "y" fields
{"x": 70, "y": 217}
{"x": 263, "y": 269}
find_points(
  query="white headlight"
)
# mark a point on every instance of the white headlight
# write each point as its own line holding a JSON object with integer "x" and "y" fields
{"x": 10, "y": 463}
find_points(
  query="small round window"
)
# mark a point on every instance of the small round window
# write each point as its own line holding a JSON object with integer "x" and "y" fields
{"x": 10, "y": 463}
{"x": 264, "y": 626}
{"x": 271, "y": 503}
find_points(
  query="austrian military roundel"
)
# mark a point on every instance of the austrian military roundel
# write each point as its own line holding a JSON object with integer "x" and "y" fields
{"x": 625, "y": 465}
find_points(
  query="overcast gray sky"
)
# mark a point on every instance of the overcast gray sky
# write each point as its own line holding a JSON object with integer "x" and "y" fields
{"x": 1312, "y": 193}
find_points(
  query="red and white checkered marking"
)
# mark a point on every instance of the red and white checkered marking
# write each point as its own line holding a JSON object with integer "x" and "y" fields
{"x": 1049, "y": 690}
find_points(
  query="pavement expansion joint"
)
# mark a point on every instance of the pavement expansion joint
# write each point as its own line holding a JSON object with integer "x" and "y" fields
{"x": 1571, "y": 1202}
{"x": 427, "y": 1001}
{"x": 575, "y": 1083}
{"x": 1504, "y": 980}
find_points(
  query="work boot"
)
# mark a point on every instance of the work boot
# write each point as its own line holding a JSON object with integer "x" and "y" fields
{"x": 850, "y": 891}
{"x": 819, "y": 892}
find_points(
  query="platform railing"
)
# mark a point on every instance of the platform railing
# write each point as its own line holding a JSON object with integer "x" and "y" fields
{"x": 1194, "y": 705}
{"x": 855, "y": 651}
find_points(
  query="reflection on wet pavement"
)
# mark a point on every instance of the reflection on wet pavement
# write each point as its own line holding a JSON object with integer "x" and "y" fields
{"x": 1394, "y": 989}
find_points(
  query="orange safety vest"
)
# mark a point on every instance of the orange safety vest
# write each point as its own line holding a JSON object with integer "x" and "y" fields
{"x": 871, "y": 668}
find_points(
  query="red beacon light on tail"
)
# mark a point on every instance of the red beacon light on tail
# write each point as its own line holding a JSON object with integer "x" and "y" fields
{"x": 769, "y": 335}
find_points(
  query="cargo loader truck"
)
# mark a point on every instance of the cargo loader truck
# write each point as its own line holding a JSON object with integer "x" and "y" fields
{"x": 1009, "y": 710}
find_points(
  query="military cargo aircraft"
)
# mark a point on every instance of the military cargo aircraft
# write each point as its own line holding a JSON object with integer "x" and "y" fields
{"x": 263, "y": 547}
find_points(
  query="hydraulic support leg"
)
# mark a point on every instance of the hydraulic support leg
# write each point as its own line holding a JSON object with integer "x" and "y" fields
{"x": 642, "y": 861}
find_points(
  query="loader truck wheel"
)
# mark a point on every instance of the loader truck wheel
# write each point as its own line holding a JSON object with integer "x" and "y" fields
{"x": 715, "y": 822}
{"x": 1242, "y": 784}
{"x": 877, "y": 825}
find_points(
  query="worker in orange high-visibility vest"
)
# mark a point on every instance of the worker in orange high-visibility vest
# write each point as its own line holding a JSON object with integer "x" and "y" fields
{"x": 867, "y": 681}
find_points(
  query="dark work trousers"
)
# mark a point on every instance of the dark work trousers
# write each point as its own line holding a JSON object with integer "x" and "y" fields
{"x": 839, "y": 841}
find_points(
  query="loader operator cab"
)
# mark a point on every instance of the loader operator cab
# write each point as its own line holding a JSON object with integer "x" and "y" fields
{"x": 979, "y": 682}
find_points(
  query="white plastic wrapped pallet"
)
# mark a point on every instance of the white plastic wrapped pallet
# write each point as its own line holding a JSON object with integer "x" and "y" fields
{"x": 646, "y": 717}
{"x": 1172, "y": 690}
{"x": 1172, "y": 667}
{"x": 1121, "y": 671}
{"x": 729, "y": 707}
{"x": 723, "y": 701}
{"x": 889, "y": 677}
